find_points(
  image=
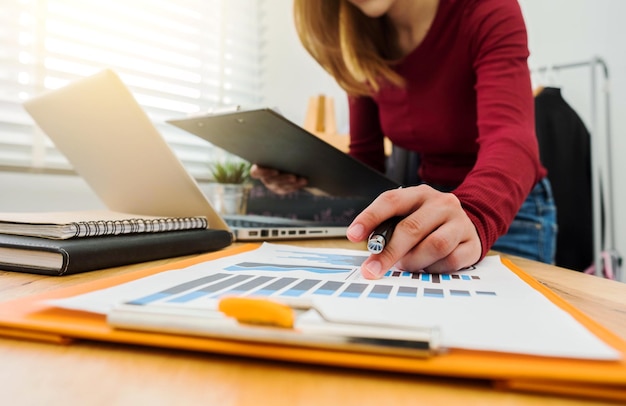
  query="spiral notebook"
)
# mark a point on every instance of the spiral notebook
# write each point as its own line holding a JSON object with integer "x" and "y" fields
{"x": 91, "y": 223}
{"x": 112, "y": 144}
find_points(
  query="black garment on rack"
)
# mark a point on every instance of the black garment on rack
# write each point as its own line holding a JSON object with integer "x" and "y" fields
{"x": 565, "y": 151}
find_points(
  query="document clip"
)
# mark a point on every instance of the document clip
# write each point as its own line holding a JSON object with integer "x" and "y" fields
{"x": 215, "y": 111}
{"x": 295, "y": 318}
{"x": 258, "y": 311}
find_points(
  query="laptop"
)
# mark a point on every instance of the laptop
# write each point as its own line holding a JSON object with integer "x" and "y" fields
{"x": 112, "y": 144}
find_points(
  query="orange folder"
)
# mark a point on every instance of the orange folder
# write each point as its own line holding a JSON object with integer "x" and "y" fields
{"x": 30, "y": 318}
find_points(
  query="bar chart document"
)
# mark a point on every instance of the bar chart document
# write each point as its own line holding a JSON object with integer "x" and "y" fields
{"x": 486, "y": 307}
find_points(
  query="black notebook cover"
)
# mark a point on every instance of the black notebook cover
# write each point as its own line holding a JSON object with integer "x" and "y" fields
{"x": 91, "y": 253}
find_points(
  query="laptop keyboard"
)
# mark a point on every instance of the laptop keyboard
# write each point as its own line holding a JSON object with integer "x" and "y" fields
{"x": 245, "y": 223}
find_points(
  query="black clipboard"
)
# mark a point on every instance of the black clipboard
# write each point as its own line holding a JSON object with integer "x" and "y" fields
{"x": 269, "y": 139}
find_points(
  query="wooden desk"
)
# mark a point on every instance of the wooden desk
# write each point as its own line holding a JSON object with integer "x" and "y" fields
{"x": 88, "y": 373}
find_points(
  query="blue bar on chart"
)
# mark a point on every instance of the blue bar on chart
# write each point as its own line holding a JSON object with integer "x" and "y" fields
{"x": 401, "y": 274}
{"x": 448, "y": 277}
{"x": 183, "y": 287}
{"x": 353, "y": 290}
{"x": 485, "y": 293}
{"x": 301, "y": 288}
{"x": 380, "y": 292}
{"x": 455, "y": 292}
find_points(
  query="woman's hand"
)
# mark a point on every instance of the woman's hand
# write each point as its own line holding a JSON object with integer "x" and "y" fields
{"x": 436, "y": 234}
{"x": 278, "y": 182}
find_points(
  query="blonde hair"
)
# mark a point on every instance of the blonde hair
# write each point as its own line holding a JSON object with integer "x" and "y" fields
{"x": 352, "y": 47}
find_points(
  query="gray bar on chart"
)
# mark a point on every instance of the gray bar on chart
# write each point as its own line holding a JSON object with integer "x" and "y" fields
{"x": 275, "y": 286}
{"x": 407, "y": 291}
{"x": 256, "y": 282}
{"x": 195, "y": 283}
{"x": 353, "y": 290}
{"x": 301, "y": 287}
{"x": 208, "y": 290}
{"x": 225, "y": 284}
{"x": 174, "y": 290}
{"x": 380, "y": 291}
{"x": 433, "y": 292}
{"x": 328, "y": 288}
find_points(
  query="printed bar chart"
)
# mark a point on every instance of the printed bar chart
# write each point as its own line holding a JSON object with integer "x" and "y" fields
{"x": 485, "y": 307}
{"x": 240, "y": 283}
{"x": 430, "y": 277}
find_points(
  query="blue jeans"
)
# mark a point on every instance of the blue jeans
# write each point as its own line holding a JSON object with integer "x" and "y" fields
{"x": 533, "y": 232}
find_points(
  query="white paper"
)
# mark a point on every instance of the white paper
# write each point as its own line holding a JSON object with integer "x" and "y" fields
{"x": 487, "y": 307}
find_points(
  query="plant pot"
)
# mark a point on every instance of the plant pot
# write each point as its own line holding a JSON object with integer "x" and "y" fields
{"x": 229, "y": 198}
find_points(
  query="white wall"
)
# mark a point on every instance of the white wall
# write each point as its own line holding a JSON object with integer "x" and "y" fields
{"x": 560, "y": 31}
{"x": 291, "y": 75}
{"x": 31, "y": 192}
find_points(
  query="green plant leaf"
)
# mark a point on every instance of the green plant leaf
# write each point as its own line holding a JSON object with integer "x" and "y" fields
{"x": 230, "y": 172}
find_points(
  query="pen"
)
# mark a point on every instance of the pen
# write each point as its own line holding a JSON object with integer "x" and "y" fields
{"x": 382, "y": 234}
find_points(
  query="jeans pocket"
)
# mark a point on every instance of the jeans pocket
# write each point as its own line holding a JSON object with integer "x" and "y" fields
{"x": 532, "y": 234}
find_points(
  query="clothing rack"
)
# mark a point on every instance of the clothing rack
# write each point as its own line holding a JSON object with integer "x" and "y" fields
{"x": 606, "y": 258}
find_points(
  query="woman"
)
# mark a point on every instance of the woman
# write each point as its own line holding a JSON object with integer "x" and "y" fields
{"x": 448, "y": 79}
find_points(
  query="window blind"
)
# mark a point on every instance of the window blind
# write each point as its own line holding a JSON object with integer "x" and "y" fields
{"x": 178, "y": 57}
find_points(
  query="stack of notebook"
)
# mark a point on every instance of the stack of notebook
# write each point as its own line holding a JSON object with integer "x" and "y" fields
{"x": 61, "y": 243}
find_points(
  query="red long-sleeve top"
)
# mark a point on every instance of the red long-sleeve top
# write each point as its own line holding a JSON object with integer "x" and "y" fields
{"x": 467, "y": 108}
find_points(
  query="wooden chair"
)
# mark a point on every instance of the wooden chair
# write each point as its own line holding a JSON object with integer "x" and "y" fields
{"x": 320, "y": 120}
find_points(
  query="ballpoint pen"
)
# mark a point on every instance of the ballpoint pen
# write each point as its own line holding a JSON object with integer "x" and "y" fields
{"x": 382, "y": 234}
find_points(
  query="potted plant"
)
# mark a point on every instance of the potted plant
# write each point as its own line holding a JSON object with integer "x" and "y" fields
{"x": 230, "y": 187}
{"x": 231, "y": 172}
